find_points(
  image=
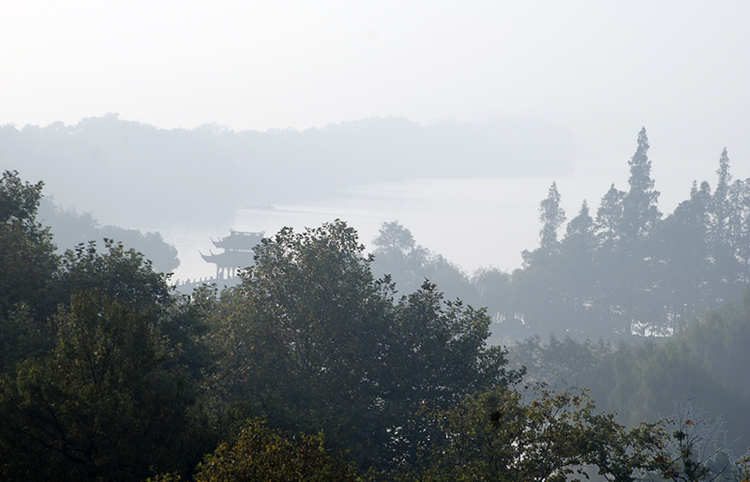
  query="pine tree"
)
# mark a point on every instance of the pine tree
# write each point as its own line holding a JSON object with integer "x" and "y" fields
{"x": 720, "y": 205}
{"x": 739, "y": 220}
{"x": 640, "y": 213}
{"x": 609, "y": 219}
{"x": 720, "y": 210}
{"x": 720, "y": 232}
{"x": 552, "y": 217}
{"x": 579, "y": 234}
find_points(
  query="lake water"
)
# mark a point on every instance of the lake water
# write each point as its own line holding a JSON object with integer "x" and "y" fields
{"x": 472, "y": 222}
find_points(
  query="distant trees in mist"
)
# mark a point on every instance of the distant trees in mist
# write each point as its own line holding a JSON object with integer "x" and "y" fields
{"x": 130, "y": 173}
{"x": 71, "y": 228}
{"x": 625, "y": 269}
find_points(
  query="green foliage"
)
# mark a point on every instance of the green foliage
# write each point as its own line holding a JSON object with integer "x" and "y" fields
{"x": 120, "y": 273}
{"x": 718, "y": 342}
{"x": 262, "y": 454}
{"x": 704, "y": 361}
{"x": 311, "y": 341}
{"x": 27, "y": 267}
{"x": 99, "y": 360}
{"x": 310, "y": 318}
{"x": 103, "y": 405}
{"x": 500, "y": 435}
{"x": 27, "y": 259}
{"x": 19, "y": 201}
{"x": 684, "y": 253}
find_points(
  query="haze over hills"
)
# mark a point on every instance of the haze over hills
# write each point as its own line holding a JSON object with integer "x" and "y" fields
{"x": 469, "y": 191}
{"x": 465, "y": 189}
{"x": 131, "y": 174}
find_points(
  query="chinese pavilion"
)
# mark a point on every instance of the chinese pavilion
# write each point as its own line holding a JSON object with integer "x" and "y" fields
{"x": 238, "y": 253}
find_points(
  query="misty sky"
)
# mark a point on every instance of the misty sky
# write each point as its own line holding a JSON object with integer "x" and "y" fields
{"x": 598, "y": 70}
{"x": 601, "y": 69}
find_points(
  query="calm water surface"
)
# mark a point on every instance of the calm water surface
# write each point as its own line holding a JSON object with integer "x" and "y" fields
{"x": 472, "y": 222}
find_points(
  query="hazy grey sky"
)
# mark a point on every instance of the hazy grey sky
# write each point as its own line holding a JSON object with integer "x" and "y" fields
{"x": 601, "y": 69}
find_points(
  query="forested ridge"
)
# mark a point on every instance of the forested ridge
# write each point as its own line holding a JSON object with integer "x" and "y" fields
{"x": 326, "y": 363}
{"x": 620, "y": 270}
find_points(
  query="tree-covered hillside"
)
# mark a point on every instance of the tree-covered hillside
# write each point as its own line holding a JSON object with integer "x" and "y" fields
{"x": 314, "y": 368}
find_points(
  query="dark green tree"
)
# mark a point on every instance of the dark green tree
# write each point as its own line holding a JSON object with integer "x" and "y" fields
{"x": 502, "y": 435}
{"x": 109, "y": 403}
{"x": 580, "y": 238}
{"x": 684, "y": 251}
{"x": 739, "y": 195}
{"x": 311, "y": 341}
{"x": 27, "y": 267}
{"x": 113, "y": 391}
{"x": 609, "y": 219}
{"x": 539, "y": 292}
{"x": 579, "y": 261}
{"x": 720, "y": 202}
{"x": 725, "y": 264}
{"x": 27, "y": 259}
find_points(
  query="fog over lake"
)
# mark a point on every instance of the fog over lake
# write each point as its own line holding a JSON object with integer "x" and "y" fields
{"x": 472, "y": 222}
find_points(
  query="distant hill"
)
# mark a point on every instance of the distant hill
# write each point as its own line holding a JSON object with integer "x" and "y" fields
{"x": 130, "y": 173}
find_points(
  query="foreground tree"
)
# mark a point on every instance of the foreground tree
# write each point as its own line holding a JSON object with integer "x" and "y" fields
{"x": 114, "y": 395}
{"x": 260, "y": 454}
{"x": 311, "y": 341}
{"x": 500, "y": 435}
{"x": 27, "y": 266}
{"x": 103, "y": 406}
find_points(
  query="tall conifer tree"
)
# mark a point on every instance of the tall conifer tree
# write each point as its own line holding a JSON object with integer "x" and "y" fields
{"x": 721, "y": 213}
{"x": 640, "y": 213}
{"x": 552, "y": 217}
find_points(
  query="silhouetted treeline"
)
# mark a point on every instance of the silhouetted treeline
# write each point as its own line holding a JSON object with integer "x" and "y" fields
{"x": 628, "y": 269}
{"x": 624, "y": 270}
{"x": 70, "y": 228}
{"x": 310, "y": 369}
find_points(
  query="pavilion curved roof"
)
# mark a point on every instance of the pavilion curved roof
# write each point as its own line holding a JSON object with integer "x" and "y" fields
{"x": 239, "y": 241}
{"x": 230, "y": 259}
